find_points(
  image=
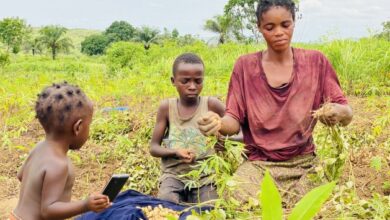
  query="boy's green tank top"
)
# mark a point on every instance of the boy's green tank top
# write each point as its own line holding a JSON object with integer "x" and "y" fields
{"x": 184, "y": 133}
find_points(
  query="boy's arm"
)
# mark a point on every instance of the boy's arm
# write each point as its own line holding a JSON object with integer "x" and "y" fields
{"x": 53, "y": 185}
{"x": 158, "y": 133}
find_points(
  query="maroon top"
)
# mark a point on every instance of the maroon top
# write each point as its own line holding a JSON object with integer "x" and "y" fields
{"x": 277, "y": 123}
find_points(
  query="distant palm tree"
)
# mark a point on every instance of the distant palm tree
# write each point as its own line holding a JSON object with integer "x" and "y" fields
{"x": 35, "y": 45}
{"x": 222, "y": 25}
{"x": 52, "y": 37}
{"x": 147, "y": 36}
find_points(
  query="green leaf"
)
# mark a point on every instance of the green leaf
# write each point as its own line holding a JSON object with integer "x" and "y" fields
{"x": 270, "y": 199}
{"x": 311, "y": 203}
{"x": 376, "y": 163}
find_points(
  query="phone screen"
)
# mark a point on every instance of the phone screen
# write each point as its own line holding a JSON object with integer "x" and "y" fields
{"x": 115, "y": 185}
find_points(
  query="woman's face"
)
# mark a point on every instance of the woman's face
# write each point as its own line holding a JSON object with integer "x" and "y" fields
{"x": 277, "y": 27}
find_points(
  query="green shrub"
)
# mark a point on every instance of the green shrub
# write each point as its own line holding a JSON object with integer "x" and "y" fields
{"x": 94, "y": 44}
{"x": 124, "y": 54}
{"x": 4, "y": 58}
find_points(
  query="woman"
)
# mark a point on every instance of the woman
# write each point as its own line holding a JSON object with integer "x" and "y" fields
{"x": 272, "y": 95}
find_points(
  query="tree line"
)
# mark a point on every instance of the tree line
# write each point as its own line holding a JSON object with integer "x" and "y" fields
{"x": 237, "y": 23}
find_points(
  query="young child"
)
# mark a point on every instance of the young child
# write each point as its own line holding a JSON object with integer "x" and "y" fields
{"x": 177, "y": 125}
{"x": 47, "y": 176}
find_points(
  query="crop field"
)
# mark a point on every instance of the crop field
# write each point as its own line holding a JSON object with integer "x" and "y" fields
{"x": 357, "y": 157}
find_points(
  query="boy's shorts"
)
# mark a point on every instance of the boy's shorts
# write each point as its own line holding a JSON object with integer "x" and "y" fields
{"x": 174, "y": 190}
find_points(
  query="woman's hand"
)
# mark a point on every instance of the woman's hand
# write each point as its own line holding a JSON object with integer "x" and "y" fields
{"x": 210, "y": 123}
{"x": 332, "y": 113}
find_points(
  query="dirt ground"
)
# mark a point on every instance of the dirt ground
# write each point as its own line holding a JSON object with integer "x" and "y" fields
{"x": 92, "y": 176}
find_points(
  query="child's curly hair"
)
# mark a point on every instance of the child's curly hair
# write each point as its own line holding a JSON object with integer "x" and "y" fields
{"x": 58, "y": 104}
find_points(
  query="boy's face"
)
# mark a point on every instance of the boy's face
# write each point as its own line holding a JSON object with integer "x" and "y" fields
{"x": 83, "y": 129}
{"x": 188, "y": 80}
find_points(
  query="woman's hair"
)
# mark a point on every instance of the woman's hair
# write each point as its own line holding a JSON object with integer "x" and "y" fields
{"x": 265, "y": 5}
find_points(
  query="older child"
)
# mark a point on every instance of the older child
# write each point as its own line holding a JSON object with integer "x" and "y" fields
{"x": 177, "y": 123}
{"x": 47, "y": 176}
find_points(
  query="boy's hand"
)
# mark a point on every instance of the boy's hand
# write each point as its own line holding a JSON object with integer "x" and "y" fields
{"x": 187, "y": 156}
{"x": 330, "y": 114}
{"x": 98, "y": 202}
{"x": 209, "y": 123}
{"x": 220, "y": 146}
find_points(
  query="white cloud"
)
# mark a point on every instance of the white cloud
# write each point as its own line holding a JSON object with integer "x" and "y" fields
{"x": 309, "y": 4}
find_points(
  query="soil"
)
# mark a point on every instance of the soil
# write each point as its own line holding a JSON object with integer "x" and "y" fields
{"x": 91, "y": 176}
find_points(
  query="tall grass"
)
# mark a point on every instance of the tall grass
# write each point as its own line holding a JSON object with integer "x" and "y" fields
{"x": 363, "y": 67}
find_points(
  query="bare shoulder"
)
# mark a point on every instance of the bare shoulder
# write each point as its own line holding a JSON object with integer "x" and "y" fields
{"x": 163, "y": 109}
{"x": 310, "y": 55}
{"x": 41, "y": 163}
{"x": 164, "y": 105}
{"x": 57, "y": 168}
{"x": 215, "y": 105}
{"x": 50, "y": 160}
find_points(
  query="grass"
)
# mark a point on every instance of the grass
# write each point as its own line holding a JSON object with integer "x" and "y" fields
{"x": 119, "y": 140}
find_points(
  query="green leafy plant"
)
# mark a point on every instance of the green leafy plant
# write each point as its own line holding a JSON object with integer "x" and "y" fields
{"x": 124, "y": 54}
{"x": 305, "y": 209}
{"x": 270, "y": 199}
{"x": 4, "y": 58}
{"x": 376, "y": 163}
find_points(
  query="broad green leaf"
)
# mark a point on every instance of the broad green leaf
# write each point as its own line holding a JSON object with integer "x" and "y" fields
{"x": 270, "y": 199}
{"x": 311, "y": 203}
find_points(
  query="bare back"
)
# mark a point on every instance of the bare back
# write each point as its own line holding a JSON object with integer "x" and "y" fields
{"x": 32, "y": 176}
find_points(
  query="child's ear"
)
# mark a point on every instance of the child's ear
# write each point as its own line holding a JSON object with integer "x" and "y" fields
{"x": 172, "y": 80}
{"x": 77, "y": 127}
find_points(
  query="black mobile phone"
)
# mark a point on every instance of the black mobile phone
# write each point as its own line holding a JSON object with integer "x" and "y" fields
{"x": 115, "y": 185}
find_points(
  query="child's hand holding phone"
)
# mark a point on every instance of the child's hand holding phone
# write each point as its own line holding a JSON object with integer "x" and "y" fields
{"x": 97, "y": 202}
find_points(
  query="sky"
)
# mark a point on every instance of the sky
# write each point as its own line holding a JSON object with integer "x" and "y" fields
{"x": 331, "y": 18}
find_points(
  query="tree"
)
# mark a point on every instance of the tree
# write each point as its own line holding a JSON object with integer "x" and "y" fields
{"x": 120, "y": 31}
{"x": 52, "y": 37}
{"x": 222, "y": 25}
{"x": 385, "y": 34}
{"x": 95, "y": 44}
{"x": 175, "y": 33}
{"x": 245, "y": 13}
{"x": 169, "y": 35}
{"x": 187, "y": 39}
{"x": 12, "y": 32}
{"x": 147, "y": 36}
{"x": 35, "y": 45}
